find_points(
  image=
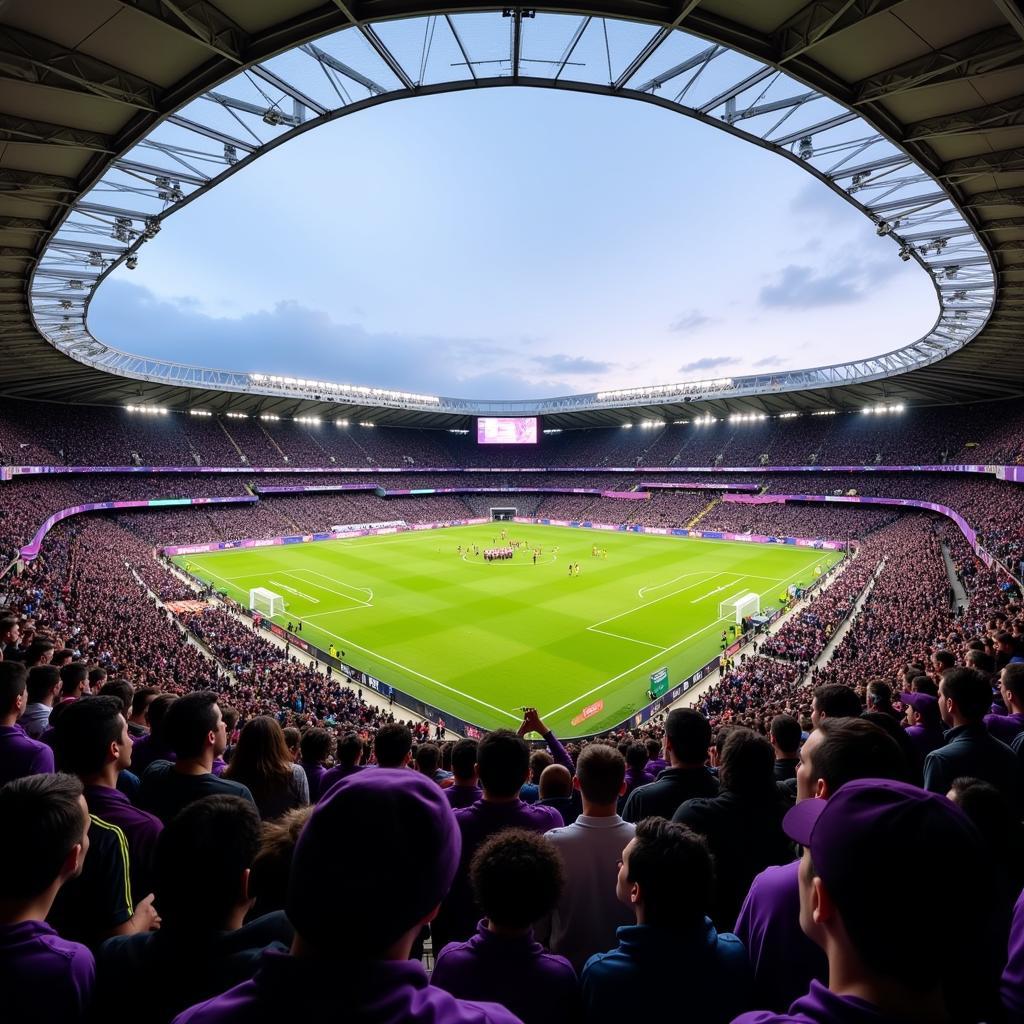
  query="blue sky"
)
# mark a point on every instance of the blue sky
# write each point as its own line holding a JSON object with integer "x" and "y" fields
{"x": 516, "y": 243}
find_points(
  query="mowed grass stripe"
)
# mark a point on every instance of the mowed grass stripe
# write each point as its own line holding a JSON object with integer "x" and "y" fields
{"x": 482, "y": 640}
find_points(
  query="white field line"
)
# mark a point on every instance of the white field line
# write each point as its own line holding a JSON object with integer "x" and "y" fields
{"x": 412, "y": 671}
{"x": 619, "y": 636}
{"x": 717, "y": 590}
{"x": 320, "y": 586}
{"x": 678, "y": 643}
{"x": 668, "y": 583}
{"x": 292, "y": 590}
{"x": 664, "y": 597}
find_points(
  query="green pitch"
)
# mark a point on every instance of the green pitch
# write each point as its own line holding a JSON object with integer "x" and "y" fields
{"x": 482, "y": 639}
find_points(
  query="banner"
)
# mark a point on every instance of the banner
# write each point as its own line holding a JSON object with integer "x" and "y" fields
{"x": 659, "y": 682}
{"x": 588, "y": 712}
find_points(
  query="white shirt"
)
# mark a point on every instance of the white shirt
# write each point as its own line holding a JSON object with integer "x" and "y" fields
{"x": 587, "y": 915}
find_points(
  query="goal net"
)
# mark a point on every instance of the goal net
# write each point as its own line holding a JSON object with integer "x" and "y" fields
{"x": 740, "y": 608}
{"x": 504, "y": 513}
{"x": 266, "y": 602}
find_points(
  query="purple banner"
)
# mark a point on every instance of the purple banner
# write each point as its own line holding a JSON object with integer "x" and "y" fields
{"x": 683, "y": 485}
{"x": 1003, "y": 472}
{"x": 965, "y": 528}
{"x": 30, "y": 550}
{"x": 626, "y": 495}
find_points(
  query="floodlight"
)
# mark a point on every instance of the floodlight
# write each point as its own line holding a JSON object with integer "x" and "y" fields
{"x": 273, "y": 117}
{"x": 906, "y": 252}
{"x": 132, "y": 261}
{"x": 806, "y": 148}
{"x": 883, "y": 228}
{"x": 230, "y": 154}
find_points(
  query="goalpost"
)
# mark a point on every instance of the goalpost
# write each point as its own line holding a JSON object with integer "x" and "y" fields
{"x": 740, "y": 608}
{"x": 266, "y": 602}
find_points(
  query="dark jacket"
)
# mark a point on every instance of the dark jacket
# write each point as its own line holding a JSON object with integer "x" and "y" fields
{"x": 745, "y": 836}
{"x": 971, "y": 750}
{"x": 663, "y": 797}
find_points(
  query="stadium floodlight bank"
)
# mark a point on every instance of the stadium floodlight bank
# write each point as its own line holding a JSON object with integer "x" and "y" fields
{"x": 266, "y": 602}
{"x": 504, "y": 513}
{"x": 740, "y": 608}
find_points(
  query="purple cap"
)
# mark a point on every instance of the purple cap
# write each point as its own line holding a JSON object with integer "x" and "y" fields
{"x": 870, "y": 823}
{"x": 376, "y": 857}
{"x": 924, "y": 704}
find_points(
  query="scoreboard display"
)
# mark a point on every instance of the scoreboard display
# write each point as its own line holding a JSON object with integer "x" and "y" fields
{"x": 506, "y": 430}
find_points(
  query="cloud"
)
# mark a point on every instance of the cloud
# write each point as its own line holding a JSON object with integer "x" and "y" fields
{"x": 689, "y": 321}
{"x": 707, "y": 363}
{"x": 560, "y": 363}
{"x": 292, "y": 339}
{"x": 769, "y": 361}
{"x": 802, "y": 287}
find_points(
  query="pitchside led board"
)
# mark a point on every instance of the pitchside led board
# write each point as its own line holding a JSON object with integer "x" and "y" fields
{"x": 506, "y": 430}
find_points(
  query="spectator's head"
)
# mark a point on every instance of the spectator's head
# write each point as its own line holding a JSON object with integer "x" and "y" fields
{"x": 503, "y": 763}
{"x": 666, "y": 875}
{"x": 407, "y": 831}
{"x": 91, "y": 738}
{"x": 539, "y": 760}
{"x": 350, "y": 750}
{"x": 464, "y": 762}
{"x": 785, "y": 734}
{"x": 964, "y": 697}
{"x": 230, "y": 716}
{"x": 878, "y": 696}
{"x": 1011, "y": 686}
{"x": 600, "y": 776}
{"x": 13, "y": 691}
{"x": 270, "y": 870}
{"x": 922, "y": 709}
{"x": 637, "y": 757}
{"x": 850, "y": 841}
{"x": 942, "y": 660}
{"x": 141, "y": 699}
{"x": 555, "y": 782}
{"x": 981, "y": 661}
{"x": 654, "y": 750}
{"x": 74, "y": 677}
{"x": 220, "y": 835}
{"x": 98, "y": 680}
{"x": 40, "y": 652}
{"x": 43, "y": 684}
{"x": 834, "y": 700}
{"x": 843, "y": 749}
{"x": 316, "y": 745}
{"x": 428, "y": 759}
{"x": 193, "y": 727}
{"x": 924, "y": 684}
{"x": 292, "y": 740}
{"x": 119, "y": 688}
{"x": 63, "y": 656}
{"x": 687, "y": 737}
{"x": 392, "y": 746}
{"x": 46, "y": 838}
{"x": 10, "y": 631}
{"x": 261, "y": 759}
{"x": 517, "y": 879}
{"x": 156, "y": 715}
{"x": 747, "y": 765}
{"x": 993, "y": 816}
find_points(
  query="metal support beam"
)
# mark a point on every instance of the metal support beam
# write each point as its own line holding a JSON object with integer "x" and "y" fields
{"x": 211, "y": 133}
{"x": 36, "y": 227}
{"x": 21, "y": 129}
{"x": 1008, "y": 113}
{"x": 31, "y": 179}
{"x": 388, "y": 57}
{"x": 814, "y": 129}
{"x": 200, "y": 22}
{"x": 249, "y": 108}
{"x": 821, "y": 20}
{"x": 311, "y": 50}
{"x": 27, "y": 58}
{"x": 740, "y": 87}
{"x": 1001, "y": 162}
{"x": 1004, "y": 197}
{"x": 680, "y": 69}
{"x": 287, "y": 88}
{"x": 151, "y": 171}
{"x": 642, "y": 57}
{"x": 977, "y": 55}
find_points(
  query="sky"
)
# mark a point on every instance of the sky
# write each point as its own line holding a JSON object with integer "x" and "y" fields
{"x": 516, "y": 243}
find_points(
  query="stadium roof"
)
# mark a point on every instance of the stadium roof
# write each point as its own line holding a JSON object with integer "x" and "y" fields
{"x": 114, "y": 113}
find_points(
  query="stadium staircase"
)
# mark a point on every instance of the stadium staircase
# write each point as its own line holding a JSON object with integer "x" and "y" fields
{"x": 703, "y": 512}
{"x": 273, "y": 443}
{"x": 234, "y": 444}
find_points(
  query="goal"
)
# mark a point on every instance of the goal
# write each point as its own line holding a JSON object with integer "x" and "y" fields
{"x": 266, "y": 602}
{"x": 504, "y": 513}
{"x": 740, "y": 608}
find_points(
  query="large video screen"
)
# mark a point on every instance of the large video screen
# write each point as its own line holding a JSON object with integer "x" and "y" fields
{"x": 506, "y": 430}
